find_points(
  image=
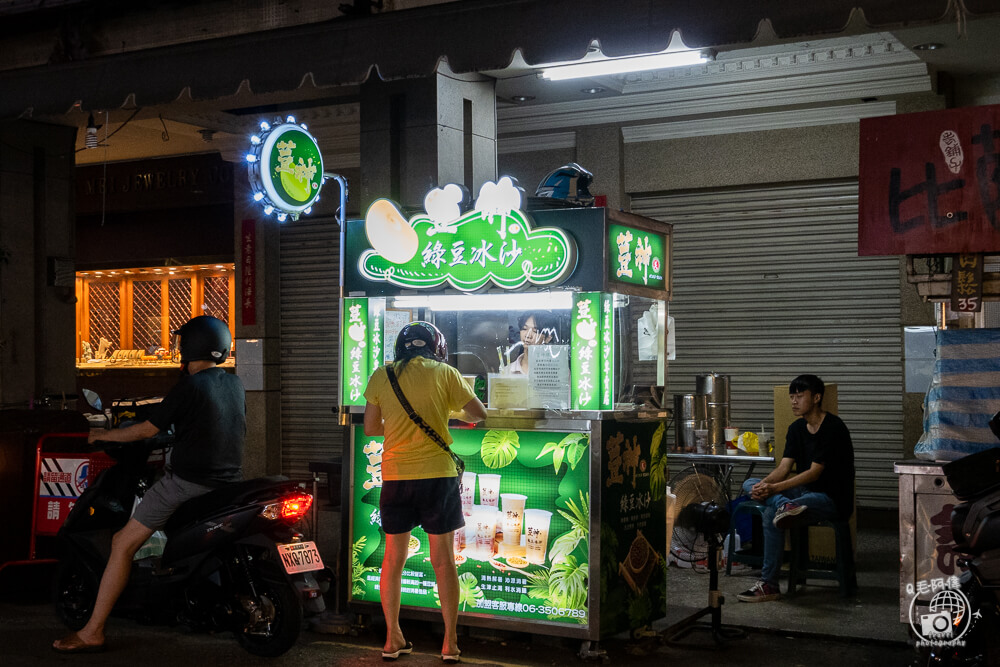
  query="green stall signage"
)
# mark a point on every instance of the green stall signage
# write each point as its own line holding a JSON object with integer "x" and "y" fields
{"x": 285, "y": 167}
{"x": 524, "y": 552}
{"x": 585, "y": 365}
{"x": 638, "y": 256}
{"x": 607, "y": 351}
{"x": 354, "y": 351}
{"x": 492, "y": 243}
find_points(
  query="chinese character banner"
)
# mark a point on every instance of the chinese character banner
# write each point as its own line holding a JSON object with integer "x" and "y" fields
{"x": 524, "y": 551}
{"x": 930, "y": 183}
{"x": 633, "y": 568}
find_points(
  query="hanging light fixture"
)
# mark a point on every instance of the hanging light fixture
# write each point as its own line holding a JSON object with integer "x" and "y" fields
{"x": 595, "y": 63}
{"x": 625, "y": 65}
{"x": 90, "y": 140}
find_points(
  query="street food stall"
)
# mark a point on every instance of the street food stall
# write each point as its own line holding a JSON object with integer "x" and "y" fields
{"x": 557, "y": 320}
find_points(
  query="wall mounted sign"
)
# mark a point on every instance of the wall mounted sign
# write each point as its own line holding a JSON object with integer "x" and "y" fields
{"x": 638, "y": 257}
{"x": 930, "y": 183}
{"x": 967, "y": 283}
{"x": 248, "y": 272}
{"x": 285, "y": 167}
{"x": 492, "y": 243}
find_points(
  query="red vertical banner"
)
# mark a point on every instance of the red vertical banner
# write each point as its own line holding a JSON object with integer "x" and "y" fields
{"x": 248, "y": 272}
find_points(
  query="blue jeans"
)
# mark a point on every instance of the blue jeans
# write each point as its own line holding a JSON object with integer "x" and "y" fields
{"x": 819, "y": 507}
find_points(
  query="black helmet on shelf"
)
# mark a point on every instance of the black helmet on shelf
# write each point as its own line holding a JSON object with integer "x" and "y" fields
{"x": 204, "y": 338}
{"x": 421, "y": 339}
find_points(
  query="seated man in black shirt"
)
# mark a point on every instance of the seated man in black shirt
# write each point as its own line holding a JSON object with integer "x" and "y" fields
{"x": 819, "y": 445}
{"x": 207, "y": 411}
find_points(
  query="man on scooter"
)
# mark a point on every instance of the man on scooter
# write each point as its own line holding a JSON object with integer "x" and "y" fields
{"x": 206, "y": 410}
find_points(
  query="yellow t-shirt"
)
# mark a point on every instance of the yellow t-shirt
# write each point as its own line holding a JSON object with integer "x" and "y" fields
{"x": 434, "y": 389}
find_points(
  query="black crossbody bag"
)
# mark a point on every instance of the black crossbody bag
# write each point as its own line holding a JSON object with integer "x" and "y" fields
{"x": 418, "y": 420}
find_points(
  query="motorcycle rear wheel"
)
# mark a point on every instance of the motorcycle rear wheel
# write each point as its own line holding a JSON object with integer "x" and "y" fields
{"x": 74, "y": 591}
{"x": 275, "y": 625}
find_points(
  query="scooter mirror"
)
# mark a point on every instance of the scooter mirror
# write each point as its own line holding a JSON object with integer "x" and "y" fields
{"x": 93, "y": 400}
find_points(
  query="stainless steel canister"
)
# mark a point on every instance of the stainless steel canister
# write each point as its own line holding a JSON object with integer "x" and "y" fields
{"x": 690, "y": 415}
{"x": 715, "y": 387}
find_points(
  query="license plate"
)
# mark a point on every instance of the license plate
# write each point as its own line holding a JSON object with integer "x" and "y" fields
{"x": 300, "y": 557}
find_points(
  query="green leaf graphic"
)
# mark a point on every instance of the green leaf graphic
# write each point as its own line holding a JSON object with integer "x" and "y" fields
{"x": 468, "y": 590}
{"x": 499, "y": 448}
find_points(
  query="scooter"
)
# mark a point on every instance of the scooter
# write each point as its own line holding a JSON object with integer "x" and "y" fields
{"x": 232, "y": 560}
{"x": 975, "y": 524}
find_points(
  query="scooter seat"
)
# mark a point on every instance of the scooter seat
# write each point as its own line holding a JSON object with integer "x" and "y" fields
{"x": 230, "y": 495}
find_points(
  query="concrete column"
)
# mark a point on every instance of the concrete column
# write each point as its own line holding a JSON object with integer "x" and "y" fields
{"x": 262, "y": 455}
{"x": 599, "y": 149}
{"x": 37, "y": 248}
{"x": 418, "y": 134}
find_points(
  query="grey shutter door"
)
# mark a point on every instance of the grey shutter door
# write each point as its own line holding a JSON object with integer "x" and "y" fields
{"x": 767, "y": 285}
{"x": 310, "y": 322}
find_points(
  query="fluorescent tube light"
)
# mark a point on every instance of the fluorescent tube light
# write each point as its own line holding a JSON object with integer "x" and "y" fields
{"x": 519, "y": 301}
{"x": 608, "y": 66}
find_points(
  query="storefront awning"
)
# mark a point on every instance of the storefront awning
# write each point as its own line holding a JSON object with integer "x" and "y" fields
{"x": 476, "y": 35}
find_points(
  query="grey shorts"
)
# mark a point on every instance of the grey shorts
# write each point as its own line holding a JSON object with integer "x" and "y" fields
{"x": 163, "y": 499}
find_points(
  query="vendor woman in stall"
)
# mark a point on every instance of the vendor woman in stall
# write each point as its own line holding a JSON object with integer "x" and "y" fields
{"x": 535, "y": 328}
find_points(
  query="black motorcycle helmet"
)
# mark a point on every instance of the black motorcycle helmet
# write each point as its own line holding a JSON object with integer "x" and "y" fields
{"x": 421, "y": 339}
{"x": 204, "y": 338}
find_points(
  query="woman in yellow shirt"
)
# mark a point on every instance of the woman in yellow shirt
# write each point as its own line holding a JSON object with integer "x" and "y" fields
{"x": 419, "y": 480}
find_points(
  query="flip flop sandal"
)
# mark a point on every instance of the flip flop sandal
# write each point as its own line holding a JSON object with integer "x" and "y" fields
{"x": 388, "y": 657}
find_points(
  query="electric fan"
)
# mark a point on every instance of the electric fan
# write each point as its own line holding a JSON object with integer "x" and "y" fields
{"x": 693, "y": 486}
{"x": 702, "y": 518}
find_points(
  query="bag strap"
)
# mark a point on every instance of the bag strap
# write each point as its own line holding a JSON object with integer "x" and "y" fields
{"x": 417, "y": 419}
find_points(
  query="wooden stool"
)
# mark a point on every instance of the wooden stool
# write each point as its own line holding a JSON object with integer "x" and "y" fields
{"x": 747, "y": 557}
{"x": 842, "y": 571}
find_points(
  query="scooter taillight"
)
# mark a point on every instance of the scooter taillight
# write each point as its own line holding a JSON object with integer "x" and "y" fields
{"x": 289, "y": 509}
{"x": 295, "y": 507}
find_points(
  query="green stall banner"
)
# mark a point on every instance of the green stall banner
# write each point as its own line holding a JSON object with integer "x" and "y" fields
{"x": 633, "y": 567}
{"x": 641, "y": 258}
{"x": 607, "y": 351}
{"x": 376, "y": 328}
{"x": 524, "y": 552}
{"x": 354, "y": 351}
{"x": 585, "y": 365}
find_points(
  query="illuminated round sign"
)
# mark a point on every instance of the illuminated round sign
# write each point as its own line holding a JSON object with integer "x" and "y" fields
{"x": 285, "y": 168}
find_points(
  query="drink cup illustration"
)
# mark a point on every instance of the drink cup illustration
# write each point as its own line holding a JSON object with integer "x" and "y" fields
{"x": 468, "y": 492}
{"x": 484, "y": 521}
{"x": 512, "y": 510}
{"x": 489, "y": 490}
{"x": 536, "y": 531}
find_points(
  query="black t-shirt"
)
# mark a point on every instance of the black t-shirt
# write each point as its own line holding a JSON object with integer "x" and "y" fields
{"x": 208, "y": 413}
{"x": 830, "y": 446}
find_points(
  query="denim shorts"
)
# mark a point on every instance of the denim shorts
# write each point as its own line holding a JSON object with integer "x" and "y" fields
{"x": 164, "y": 497}
{"x": 433, "y": 504}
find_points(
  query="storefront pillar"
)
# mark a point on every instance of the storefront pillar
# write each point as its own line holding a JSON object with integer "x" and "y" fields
{"x": 602, "y": 146}
{"x": 419, "y": 134}
{"x": 258, "y": 331}
{"x": 37, "y": 245}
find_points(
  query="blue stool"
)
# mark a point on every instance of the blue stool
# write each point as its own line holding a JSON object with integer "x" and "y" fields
{"x": 802, "y": 568}
{"x": 747, "y": 557}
